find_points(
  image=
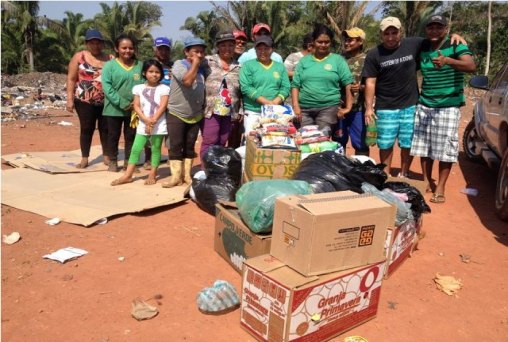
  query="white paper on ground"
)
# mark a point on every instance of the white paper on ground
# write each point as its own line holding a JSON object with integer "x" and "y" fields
{"x": 11, "y": 238}
{"x": 66, "y": 254}
{"x": 53, "y": 221}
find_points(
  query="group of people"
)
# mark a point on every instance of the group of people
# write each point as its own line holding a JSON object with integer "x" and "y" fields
{"x": 222, "y": 94}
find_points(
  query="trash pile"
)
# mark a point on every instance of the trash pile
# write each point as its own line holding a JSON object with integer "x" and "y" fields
{"x": 29, "y": 96}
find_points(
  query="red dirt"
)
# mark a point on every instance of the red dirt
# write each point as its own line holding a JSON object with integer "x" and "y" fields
{"x": 169, "y": 251}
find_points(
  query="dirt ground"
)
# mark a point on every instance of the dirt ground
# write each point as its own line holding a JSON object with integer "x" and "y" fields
{"x": 169, "y": 251}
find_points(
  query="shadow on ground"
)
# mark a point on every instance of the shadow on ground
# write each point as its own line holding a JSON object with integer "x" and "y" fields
{"x": 479, "y": 176}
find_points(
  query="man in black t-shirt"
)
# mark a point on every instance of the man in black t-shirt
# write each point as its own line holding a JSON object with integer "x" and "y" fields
{"x": 390, "y": 73}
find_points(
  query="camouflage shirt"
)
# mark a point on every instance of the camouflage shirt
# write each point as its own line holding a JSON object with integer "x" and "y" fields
{"x": 355, "y": 66}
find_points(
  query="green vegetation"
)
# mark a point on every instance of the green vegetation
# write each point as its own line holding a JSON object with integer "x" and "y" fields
{"x": 32, "y": 42}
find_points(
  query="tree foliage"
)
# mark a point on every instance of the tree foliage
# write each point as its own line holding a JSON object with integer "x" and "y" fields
{"x": 48, "y": 44}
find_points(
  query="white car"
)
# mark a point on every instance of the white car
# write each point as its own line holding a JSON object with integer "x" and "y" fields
{"x": 486, "y": 136}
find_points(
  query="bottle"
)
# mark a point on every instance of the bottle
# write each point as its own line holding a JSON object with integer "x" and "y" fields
{"x": 470, "y": 191}
{"x": 371, "y": 135}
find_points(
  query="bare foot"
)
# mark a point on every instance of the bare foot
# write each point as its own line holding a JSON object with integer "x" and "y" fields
{"x": 121, "y": 180}
{"x": 152, "y": 177}
{"x": 150, "y": 180}
{"x": 82, "y": 164}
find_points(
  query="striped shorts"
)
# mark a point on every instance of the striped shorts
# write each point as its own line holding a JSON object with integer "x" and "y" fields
{"x": 395, "y": 124}
{"x": 436, "y": 133}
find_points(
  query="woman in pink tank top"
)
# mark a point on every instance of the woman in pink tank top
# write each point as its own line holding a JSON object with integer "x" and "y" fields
{"x": 85, "y": 94}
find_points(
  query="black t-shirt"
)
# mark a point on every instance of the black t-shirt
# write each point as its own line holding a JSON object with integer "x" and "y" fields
{"x": 395, "y": 73}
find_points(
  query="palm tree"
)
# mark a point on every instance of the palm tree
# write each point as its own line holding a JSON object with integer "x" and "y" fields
{"x": 412, "y": 14}
{"x": 74, "y": 31}
{"x": 23, "y": 14}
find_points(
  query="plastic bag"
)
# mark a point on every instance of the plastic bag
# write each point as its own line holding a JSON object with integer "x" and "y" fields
{"x": 256, "y": 200}
{"x": 209, "y": 191}
{"x": 403, "y": 209}
{"x": 418, "y": 204}
{"x": 328, "y": 171}
{"x": 220, "y": 161}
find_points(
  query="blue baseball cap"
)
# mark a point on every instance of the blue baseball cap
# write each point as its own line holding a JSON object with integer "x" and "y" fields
{"x": 193, "y": 41}
{"x": 162, "y": 41}
{"x": 93, "y": 34}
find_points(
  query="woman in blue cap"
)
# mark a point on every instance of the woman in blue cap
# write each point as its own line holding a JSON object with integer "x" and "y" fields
{"x": 185, "y": 110}
{"x": 85, "y": 94}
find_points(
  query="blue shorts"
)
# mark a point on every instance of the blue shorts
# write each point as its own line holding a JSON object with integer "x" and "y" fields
{"x": 395, "y": 124}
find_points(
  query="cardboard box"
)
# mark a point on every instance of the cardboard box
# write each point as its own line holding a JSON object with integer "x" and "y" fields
{"x": 322, "y": 233}
{"x": 234, "y": 241}
{"x": 279, "y": 304}
{"x": 399, "y": 245}
{"x": 265, "y": 163}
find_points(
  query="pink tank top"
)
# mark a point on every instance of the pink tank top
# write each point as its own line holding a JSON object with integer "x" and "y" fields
{"x": 89, "y": 85}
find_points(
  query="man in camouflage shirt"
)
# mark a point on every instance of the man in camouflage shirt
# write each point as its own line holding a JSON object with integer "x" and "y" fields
{"x": 353, "y": 124}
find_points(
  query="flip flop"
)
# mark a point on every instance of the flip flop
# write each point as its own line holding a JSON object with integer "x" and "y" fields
{"x": 120, "y": 182}
{"x": 438, "y": 198}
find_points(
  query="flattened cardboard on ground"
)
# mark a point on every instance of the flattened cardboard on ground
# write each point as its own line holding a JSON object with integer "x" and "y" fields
{"x": 322, "y": 233}
{"x": 399, "y": 244}
{"x": 279, "y": 304}
{"x": 82, "y": 198}
{"x": 61, "y": 161}
{"x": 266, "y": 163}
{"x": 234, "y": 241}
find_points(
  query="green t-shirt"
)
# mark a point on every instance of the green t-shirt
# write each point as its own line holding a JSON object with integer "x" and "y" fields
{"x": 117, "y": 82}
{"x": 258, "y": 80}
{"x": 443, "y": 87}
{"x": 320, "y": 81}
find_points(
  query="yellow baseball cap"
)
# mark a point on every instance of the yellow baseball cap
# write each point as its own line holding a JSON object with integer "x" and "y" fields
{"x": 390, "y": 22}
{"x": 354, "y": 32}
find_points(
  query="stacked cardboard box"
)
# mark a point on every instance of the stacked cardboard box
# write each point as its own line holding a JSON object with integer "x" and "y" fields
{"x": 325, "y": 270}
{"x": 266, "y": 163}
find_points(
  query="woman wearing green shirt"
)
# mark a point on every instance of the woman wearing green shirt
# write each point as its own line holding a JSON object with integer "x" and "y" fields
{"x": 318, "y": 81}
{"x": 119, "y": 76}
{"x": 263, "y": 82}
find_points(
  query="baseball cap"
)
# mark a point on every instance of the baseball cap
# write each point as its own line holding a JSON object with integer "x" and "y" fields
{"x": 390, "y": 22}
{"x": 354, "y": 32}
{"x": 224, "y": 36}
{"x": 240, "y": 34}
{"x": 264, "y": 40}
{"x": 193, "y": 41}
{"x": 93, "y": 34}
{"x": 162, "y": 41}
{"x": 438, "y": 19}
{"x": 258, "y": 27}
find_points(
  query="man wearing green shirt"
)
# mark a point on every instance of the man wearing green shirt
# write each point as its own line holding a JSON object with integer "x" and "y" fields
{"x": 438, "y": 112}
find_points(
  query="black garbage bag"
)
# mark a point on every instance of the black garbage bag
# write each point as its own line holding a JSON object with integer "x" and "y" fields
{"x": 329, "y": 171}
{"x": 223, "y": 169}
{"x": 418, "y": 204}
{"x": 219, "y": 161}
{"x": 209, "y": 191}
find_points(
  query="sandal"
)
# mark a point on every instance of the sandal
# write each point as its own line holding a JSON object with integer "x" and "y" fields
{"x": 121, "y": 181}
{"x": 438, "y": 198}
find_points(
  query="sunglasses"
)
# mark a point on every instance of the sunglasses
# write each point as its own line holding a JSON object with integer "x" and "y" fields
{"x": 241, "y": 42}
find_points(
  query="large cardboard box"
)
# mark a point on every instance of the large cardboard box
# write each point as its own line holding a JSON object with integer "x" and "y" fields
{"x": 399, "y": 245}
{"x": 322, "y": 233}
{"x": 265, "y": 163}
{"x": 279, "y": 304}
{"x": 234, "y": 241}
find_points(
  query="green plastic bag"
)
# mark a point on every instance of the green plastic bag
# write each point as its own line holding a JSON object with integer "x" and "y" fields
{"x": 256, "y": 200}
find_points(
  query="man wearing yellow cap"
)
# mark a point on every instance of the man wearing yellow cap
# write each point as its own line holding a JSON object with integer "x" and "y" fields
{"x": 352, "y": 125}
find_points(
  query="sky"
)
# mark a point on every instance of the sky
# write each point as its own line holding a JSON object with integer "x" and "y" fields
{"x": 173, "y": 17}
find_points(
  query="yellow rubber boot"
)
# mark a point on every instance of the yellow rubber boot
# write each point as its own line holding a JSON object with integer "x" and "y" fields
{"x": 176, "y": 174}
{"x": 187, "y": 178}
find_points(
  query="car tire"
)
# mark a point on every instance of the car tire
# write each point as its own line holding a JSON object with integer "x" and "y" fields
{"x": 469, "y": 139}
{"x": 502, "y": 189}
